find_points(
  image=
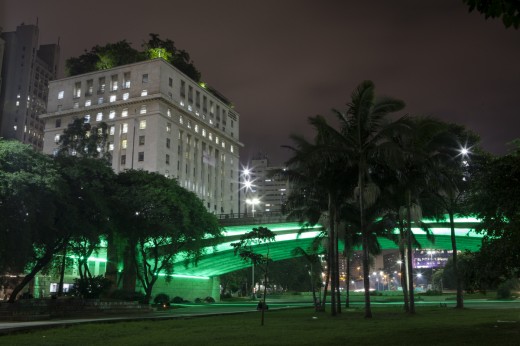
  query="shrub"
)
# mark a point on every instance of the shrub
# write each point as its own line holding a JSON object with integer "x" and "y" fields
{"x": 90, "y": 288}
{"x": 209, "y": 299}
{"x": 178, "y": 300}
{"x": 162, "y": 299}
{"x": 505, "y": 288}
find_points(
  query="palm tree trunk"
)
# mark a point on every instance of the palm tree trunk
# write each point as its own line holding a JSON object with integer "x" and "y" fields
{"x": 332, "y": 257}
{"x": 409, "y": 257}
{"x": 460, "y": 298}
{"x": 402, "y": 269}
{"x": 364, "y": 236}
{"x": 336, "y": 263}
{"x": 347, "y": 298}
{"x": 324, "y": 301}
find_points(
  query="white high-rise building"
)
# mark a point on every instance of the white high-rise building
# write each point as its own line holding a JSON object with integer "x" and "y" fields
{"x": 160, "y": 121}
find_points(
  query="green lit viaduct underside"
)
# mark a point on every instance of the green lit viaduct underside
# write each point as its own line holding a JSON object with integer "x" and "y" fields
{"x": 289, "y": 235}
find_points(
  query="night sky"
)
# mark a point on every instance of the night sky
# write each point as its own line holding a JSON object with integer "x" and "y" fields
{"x": 283, "y": 61}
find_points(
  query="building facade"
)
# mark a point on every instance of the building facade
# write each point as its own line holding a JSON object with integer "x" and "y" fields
{"x": 27, "y": 69}
{"x": 268, "y": 190}
{"x": 159, "y": 120}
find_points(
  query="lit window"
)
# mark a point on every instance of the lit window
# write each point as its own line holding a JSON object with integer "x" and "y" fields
{"x": 210, "y": 136}
{"x": 231, "y": 149}
{"x": 197, "y": 128}
{"x": 17, "y": 103}
{"x": 189, "y": 124}
{"x": 124, "y": 128}
{"x": 143, "y": 109}
{"x": 88, "y": 103}
{"x": 169, "y": 113}
{"x": 112, "y": 114}
{"x": 124, "y": 113}
{"x": 123, "y": 144}
{"x": 204, "y": 132}
{"x": 216, "y": 139}
{"x": 181, "y": 119}
{"x": 126, "y": 81}
{"x": 99, "y": 116}
{"x": 144, "y": 92}
{"x": 112, "y": 130}
{"x": 168, "y": 127}
{"x": 86, "y": 119}
{"x": 142, "y": 124}
{"x": 100, "y": 100}
{"x": 189, "y": 108}
{"x": 56, "y": 138}
{"x": 112, "y": 98}
{"x": 114, "y": 83}
{"x": 60, "y": 94}
{"x": 75, "y": 105}
{"x": 223, "y": 144}
{"x": 110, "y": 146}
{"x": 126, "y": 96}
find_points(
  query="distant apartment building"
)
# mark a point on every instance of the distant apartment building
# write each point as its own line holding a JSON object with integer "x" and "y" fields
{"x": 27, "y": 68}
{"x": 160, "y": 121}
{"x": 268, "y": 190}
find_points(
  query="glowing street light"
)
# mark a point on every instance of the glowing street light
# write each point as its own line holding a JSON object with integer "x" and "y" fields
{"x": 253, "y": 202}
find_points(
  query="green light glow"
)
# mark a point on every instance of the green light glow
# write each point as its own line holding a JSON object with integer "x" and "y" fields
{"x": 186, "y": 276}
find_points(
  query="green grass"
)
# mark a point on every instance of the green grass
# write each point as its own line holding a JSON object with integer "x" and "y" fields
{"x": 430, "y": 326}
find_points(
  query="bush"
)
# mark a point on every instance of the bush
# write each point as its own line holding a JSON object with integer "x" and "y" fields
{"x": 209, "y": 300}
{"x": 128, "y": 296}
{"x": 178, "y": 300}
{"x": 505, "y": 288}
{"x": 162, "y": 299}
{"x": 90, "y": 288}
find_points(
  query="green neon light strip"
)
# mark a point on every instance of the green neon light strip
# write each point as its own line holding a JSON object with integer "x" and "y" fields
{"x": 186, "y": 276}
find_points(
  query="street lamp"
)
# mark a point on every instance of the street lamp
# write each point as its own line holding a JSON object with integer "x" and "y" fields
{"x": 253, "y": 202}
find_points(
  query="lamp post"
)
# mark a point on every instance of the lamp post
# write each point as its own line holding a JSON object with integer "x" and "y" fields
{"x": 252, "y": 202}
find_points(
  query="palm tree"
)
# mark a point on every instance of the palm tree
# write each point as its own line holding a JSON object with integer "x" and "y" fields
{"x": 365, "y": 137}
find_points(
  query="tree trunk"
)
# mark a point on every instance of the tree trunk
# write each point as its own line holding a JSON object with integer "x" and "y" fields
{"x": 264, "y": 307}
{"x": 324, "y": 301}
{"x": 409, "y": 266}
{"x": 402, "y": 270}
{"x": 347, "y": 298}
{"x": 336, "y": 263}
{"x": 460, "y": 298}
{"x": 62, "y": 271}
{"x": 332, "y": 257}
{"x": 364, "y": 237}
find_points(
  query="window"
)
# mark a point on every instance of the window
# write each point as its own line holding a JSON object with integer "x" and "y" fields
{"x": 126, "y": 80}
{"x": 168, "y": 143}
{"x": 190, "y": 94}
{"x": 112, "y": 114}
{"x": 181, "y": 119}
{"x": 123, "y": 144}
{"x": 112, "y": 98}
{"x": 88, "y": 103}
{"x": 75, "y": 105}
{"x": 56, "y": 138}
{"x": 197, "y": 99}
{"x": 90, "y": 87}
{"x": 144, "y": 92}
{"x": 145, "y": 78}
{"x": 86, "y": 119}
{"x": 77, "y": 90}
{"x": 141, "y": 140}
{"x": 169, "y": 113}
{"x": 204, "y": 104}
{"x": 124, "y": 128}
{"x": 168, "y": 127}
{"x": 110, "y": 146}
{"x": 204, "y": 132}
{"x": 143, "y": 109}
{"x": 140, "y": 156}
{"x": 100, "y": 100}
{"x": 112, "y": 130}
{"x": 124, "y": 113}
{"x": 142, "y": 124}
{"x": 99, "y": 116}
{"x": 196, "y": 128}
{"x": 114, "y": 83}
{"x": 123, "y": 159}
{"x": 101, "y": 88}
{"x": 167, "y": 159}
{"x": 183, "y": 89}
{"x": 170, "y": 82}
{"x": 126, "y": 96}
{"x": 60, "y": 94}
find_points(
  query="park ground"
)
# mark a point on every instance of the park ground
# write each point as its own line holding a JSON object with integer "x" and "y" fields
{"x": 483, "y": 322}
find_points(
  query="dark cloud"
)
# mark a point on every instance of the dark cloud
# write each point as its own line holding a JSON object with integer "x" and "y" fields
{"x": 283, "y": 61}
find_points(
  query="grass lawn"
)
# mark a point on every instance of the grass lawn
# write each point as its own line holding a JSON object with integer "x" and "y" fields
{"x": 430, "y": 326}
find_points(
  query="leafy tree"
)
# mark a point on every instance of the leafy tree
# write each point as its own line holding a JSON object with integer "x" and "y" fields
{"x": 160, "y": 220}
{"x": 165, "y": 49}
{"x": 508, "y": 10}
{"x": 103, "y": 57}
{"x": 31, "y": 211}
{"x": 260, "y": 238}
{"x": 84, "y": 140}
